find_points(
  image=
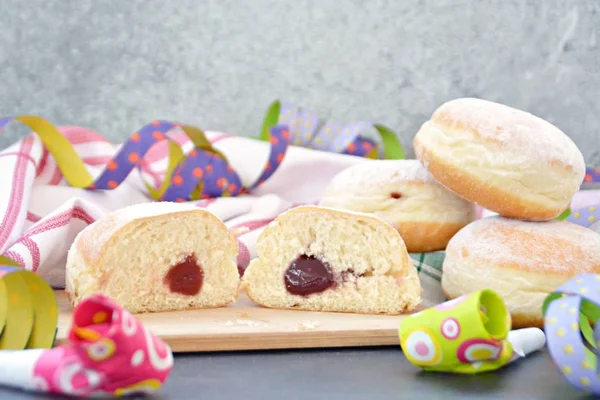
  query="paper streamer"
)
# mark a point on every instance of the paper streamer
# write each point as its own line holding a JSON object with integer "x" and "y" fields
{"x": 111, "y": 354}
{"x": 588, "y": 217}
{"x": 28, "y": 310}
{"x": 592, "y": 175}
{"x": 202, "y": 173}
{"x": 571, "y": 316}
{"x": 305, "y": 130}
{"x": 467, "y": 335}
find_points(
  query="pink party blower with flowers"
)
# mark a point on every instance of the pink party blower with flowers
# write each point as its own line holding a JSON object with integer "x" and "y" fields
{"x": 110, "y": 353}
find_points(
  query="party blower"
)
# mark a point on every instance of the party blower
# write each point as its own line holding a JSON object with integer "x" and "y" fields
{"x": 111, "y": 353}
{"x": 470, "y": 334}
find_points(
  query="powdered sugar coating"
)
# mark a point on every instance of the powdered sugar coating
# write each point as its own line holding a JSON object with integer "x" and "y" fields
{"x": 556, "y": 247}
{"x": 380, "y": 173}
{"x": 512, "y": 129}
{"x": 332, "y": 210}
{"x": 397, "y": 191}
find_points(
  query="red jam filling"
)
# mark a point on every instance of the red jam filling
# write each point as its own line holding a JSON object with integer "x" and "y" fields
{"x": 308, "y": 275}
{"x": 185, "y": 277}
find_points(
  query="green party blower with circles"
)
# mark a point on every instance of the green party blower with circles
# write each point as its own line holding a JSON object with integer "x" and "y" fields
{"x": 467, "y": 335}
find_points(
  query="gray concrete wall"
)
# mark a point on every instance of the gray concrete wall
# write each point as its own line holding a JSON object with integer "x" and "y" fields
{"x": 114, "y": 65}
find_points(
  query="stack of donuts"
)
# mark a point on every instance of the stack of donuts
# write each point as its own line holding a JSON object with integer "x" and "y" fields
{"x": 510, "y": 162}
{"x": 526, "y": 170}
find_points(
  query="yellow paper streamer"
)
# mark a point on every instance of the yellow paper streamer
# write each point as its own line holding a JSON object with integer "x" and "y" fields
{"x": 28, "y": 310}
{"x": 204, "y": 172}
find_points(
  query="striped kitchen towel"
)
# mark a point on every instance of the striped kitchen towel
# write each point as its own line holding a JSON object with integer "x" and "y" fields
{"x": 40, "y": 214}
{"x": 429, "y": 266}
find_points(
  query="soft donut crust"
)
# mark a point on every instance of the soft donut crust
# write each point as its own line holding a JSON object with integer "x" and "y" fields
{"x": 508, "y": 161}
{"x": 425, "y": 213}
{"x": 522, "y": 261}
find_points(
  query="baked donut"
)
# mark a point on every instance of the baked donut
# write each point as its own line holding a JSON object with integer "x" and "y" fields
{"x": 155, "y": 257}
{"x": 404, "y": 194}
{"x": 508, "y": 161}
{"x": 522, "y": 261}
{"x": 315, "y": 258}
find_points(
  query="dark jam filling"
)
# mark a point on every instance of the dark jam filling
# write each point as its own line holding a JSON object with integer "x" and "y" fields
{"x": 185, "y": 277}
{"x": 241, "y": 270}
{"x": 308, "y": 275}
{"x": 395, "y": 195}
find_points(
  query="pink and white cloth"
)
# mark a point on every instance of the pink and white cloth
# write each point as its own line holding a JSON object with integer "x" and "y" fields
{"x": 41, "y": 214}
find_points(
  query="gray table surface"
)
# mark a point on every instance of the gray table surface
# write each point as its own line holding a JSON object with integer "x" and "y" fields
{"x": 373, "y": 373}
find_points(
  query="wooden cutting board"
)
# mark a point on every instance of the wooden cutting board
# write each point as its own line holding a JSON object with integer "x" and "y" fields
{"x": 247, "y": 326}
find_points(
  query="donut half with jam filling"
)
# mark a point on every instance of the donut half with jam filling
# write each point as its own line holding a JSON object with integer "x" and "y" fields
{"x": 155, "y": 257}
{"x": 322, "y": 259}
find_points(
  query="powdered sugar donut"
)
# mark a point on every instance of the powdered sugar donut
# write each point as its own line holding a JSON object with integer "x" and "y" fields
{"x": 506, "y": 160}
{"x": 404, "y": 194}
{"x": 522, "y": 261}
